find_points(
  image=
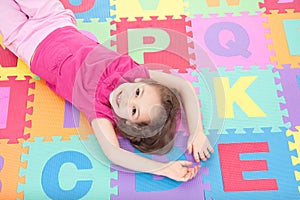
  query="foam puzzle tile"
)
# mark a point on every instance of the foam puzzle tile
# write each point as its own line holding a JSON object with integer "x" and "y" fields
{"x": 186, "y": 76}
{"x": 292, "y": 33}
{"x": 279, "y": 34}
{"x": 221, "y": 7}
{"x": 86, "y": 10}
{"x": 100, "y": 29}
{"x": 251, "y": 165}
{"x": 145, "y": 8}
{"x": 21, "y": 71}
{"x": 231, "y": 40}
{"x": 7, "y": 58}
{"x": 9, "y": 169}
{"x": 40, "y": 126}
{"x": 150, "y": 187}
{"x": 10, "y": 65}
{"x": 294, "y": 145}
{"x": 162, "y": 43}
{"x": 18, "y": 109}
{"x": 240, "y": 99}
{"x": 64, "y": 170}
{"x": 291, "y": 93}
{"x": 280, "y": 5}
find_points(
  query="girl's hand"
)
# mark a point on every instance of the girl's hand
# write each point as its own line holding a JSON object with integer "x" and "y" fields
{"x": 179, "y": 171}
{"x": 200, "y": 146}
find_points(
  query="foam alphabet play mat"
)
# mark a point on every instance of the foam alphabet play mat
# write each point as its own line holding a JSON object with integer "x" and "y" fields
{"x": 248, "y": 86}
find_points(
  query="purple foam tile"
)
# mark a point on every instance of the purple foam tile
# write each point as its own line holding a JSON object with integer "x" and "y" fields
{"x": 136, "y": 185}
{"x": 149, "y": 187}
{"x": 71, "y": 116}
{"x": 291, "y": 92}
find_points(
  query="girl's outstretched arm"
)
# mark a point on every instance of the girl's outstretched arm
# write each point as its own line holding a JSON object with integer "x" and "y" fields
{"x": 106, "y": 136}
{"x": 198, "y": 143}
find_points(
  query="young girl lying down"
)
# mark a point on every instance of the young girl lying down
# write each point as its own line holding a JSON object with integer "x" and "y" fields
{"x": 113, "y": 91}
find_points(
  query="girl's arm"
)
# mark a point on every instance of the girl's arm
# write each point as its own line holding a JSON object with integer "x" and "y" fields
{"x": 198, "y": 142}
{"x": 107, "y": 138}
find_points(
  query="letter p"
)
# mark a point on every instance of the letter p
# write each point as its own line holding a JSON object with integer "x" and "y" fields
{"x": 145, "y": 40}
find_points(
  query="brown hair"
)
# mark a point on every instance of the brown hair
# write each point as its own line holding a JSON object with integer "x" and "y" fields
{"x": 156, "y": 137}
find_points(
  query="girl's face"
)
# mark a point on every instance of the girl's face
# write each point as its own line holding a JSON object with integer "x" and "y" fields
{"x": 134, "y": 101}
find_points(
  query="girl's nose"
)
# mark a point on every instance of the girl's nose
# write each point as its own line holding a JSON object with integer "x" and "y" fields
{"x": 126, "y": 98}
{"x": 132, "y": 100}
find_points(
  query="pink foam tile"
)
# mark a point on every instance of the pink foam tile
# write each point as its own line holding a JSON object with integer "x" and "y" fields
{"x": 232, "y": 40}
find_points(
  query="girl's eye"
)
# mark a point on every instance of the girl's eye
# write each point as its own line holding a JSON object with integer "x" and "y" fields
{"x": 133, "y": 111}
{"x": 137, "y": 92}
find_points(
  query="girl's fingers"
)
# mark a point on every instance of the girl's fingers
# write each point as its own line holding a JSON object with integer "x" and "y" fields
{"x": 202, "y": 156}
{"x": 210, "y": 149}
{"x": 192, "y": 173}
{"x": 185, "y": 171}
{"x": 195, "y": 171}
{"x": 189, "y": 173}
{"x": 196, "y": 156}
{"x": 206, "y": 153}
{"x": 187, "y": 176}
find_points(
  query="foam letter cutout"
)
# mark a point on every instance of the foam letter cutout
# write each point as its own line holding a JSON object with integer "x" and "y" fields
{"x": 232, "y": 167}
{"x": 83, "y": 7}
{"x": 138, "y": 45}
{"x": 237, "y": 47}
{"x": 51, "y": 175}
{"x": 227, "y": 95}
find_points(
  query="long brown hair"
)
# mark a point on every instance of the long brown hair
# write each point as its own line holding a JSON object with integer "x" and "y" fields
{"x": 156, "y": 137}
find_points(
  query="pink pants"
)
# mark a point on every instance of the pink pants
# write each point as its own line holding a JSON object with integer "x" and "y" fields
{"x": 25, "y": 23}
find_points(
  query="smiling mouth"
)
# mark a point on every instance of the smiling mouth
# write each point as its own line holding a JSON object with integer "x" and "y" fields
{"x": 118, "y": 99}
